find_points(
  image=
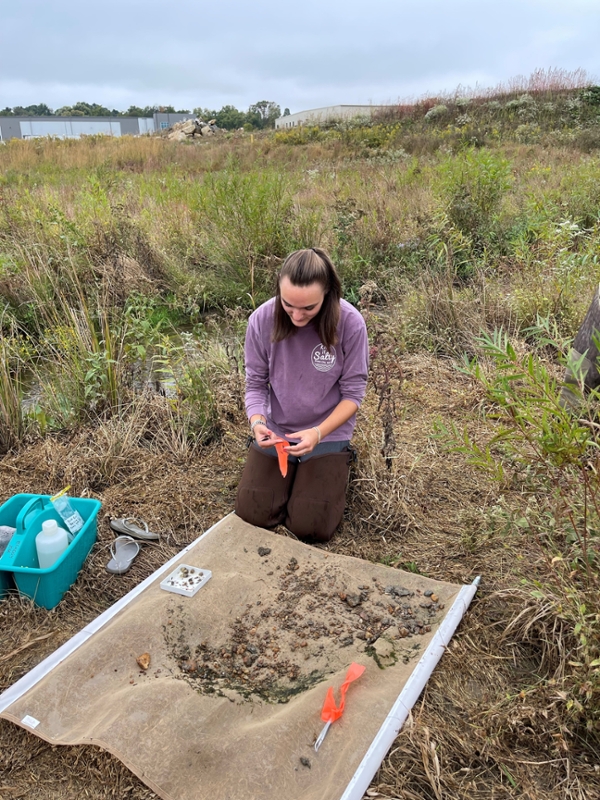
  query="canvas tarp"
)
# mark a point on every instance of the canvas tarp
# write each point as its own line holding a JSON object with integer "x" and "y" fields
{"x": 230, "y": 703}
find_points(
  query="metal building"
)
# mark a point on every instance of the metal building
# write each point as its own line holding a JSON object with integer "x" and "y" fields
{"x": 74, "y": 127}
{"x": 317, "y": 116}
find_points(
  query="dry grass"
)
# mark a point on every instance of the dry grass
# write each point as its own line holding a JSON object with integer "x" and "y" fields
{"x": 491, "y": 724}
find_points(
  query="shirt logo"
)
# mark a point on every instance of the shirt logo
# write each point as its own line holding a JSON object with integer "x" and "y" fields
{"x": 323, "y": 359}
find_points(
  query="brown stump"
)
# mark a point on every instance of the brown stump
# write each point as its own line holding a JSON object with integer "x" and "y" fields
{"x": 584, "y": 345}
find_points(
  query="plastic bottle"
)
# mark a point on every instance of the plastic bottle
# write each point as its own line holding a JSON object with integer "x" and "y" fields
{"x": 50, "y": 543}
{"x": 72, "y": 518}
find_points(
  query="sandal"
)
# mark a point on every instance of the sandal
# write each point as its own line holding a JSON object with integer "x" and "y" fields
{"x": 131, "y": 526}
{"x": 123, "y": 550}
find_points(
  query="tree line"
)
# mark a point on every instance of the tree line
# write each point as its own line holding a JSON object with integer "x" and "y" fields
{"x": 258, "y": 116}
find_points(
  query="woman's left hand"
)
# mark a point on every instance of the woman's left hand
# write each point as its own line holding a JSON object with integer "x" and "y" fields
{"x": 309, "y": 439}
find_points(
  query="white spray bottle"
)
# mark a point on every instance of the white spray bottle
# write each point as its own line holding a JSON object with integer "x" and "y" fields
{"x": 50, "y": 543}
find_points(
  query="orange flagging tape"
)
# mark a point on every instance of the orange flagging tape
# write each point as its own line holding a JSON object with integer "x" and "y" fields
{"x": 282, "y": 456}
{"x": 330, "y": 712}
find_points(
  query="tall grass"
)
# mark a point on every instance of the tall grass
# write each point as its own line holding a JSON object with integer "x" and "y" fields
{"x": 249, "y": 226}
{"x": 12, "y": 425}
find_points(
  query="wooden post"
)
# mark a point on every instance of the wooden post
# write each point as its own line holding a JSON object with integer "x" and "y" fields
{"x": 584, "y": 345}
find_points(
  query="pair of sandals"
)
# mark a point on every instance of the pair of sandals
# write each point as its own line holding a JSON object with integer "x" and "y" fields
{"x": 125, "y": 548}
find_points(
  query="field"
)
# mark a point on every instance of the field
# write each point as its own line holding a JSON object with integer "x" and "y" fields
{"x": 467, "y": 231}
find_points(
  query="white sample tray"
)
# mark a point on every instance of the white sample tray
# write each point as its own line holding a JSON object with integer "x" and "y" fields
{"x": 186, "y": 580}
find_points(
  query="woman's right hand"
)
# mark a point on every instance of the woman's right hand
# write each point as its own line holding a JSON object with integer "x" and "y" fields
{"x": 265, "y": 437}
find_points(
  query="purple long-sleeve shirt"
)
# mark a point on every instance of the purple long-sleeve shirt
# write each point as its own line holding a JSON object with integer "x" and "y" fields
{"x": 295, "y": 384}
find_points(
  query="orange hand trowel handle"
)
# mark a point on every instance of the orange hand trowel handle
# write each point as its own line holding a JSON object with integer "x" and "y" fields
{"x": 330, "y": 712}
{"x": 282, "y": 456}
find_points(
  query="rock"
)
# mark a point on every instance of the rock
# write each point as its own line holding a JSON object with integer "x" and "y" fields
{"x": 206, "y": 131}
{"x": 143, "y": 661}
{"x": 177, "y": 136}
{"x": 353, "y": 600}
{"x": 189, "y": 127}
{"x": 398, "y": 591}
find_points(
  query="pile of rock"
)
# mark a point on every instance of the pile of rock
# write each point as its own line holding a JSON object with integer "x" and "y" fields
{"x": 192, "y": 128}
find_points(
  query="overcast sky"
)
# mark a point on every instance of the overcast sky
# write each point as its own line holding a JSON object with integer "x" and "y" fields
{"x": 302, "y": 55}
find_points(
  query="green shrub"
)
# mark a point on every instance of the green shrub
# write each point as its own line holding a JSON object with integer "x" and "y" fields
{"x": 591, "y": 95}
{"x": 472, "y": 188}
{"x": 436, "y": 112}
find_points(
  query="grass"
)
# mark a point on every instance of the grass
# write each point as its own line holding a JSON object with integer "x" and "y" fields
{"x": 127, "y": 271}
{"x": 11, "y": 393}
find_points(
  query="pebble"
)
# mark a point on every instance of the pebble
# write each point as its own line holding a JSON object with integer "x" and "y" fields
{"x": 353, "y": 600}
{"x": 398, "y": 591}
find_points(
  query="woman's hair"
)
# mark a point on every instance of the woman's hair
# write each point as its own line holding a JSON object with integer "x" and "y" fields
{"x": 302, "y": 268}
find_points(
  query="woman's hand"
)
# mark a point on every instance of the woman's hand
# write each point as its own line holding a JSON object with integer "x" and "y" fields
{"x": 309, "y": 439}
{"x": 265, "y": 437}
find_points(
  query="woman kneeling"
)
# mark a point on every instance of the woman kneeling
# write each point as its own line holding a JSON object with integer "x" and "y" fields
{"x": 306, "y": 373}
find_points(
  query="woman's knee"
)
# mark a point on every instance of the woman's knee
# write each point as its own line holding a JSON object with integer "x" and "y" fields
{"x": 263, "y": 493}
{"x": 316, "y": 505}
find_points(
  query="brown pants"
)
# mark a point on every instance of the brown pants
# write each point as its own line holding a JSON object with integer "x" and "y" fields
{"x": 309, "y": 501}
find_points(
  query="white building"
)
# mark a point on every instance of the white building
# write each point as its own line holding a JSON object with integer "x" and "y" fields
{"x": 317, "y": 116}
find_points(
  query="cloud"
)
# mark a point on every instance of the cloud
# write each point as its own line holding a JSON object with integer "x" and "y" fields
{"x": 191, "y": 54}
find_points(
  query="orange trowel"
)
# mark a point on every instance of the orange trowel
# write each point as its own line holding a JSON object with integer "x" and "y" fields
{"x": 330, "y": 711}
{"x": 282, "y": 456}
